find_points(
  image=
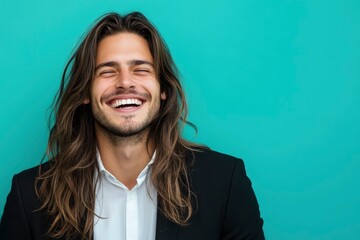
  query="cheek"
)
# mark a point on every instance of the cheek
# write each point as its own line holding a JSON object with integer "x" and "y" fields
{"x": 97, "y": 89}
{"x": 154, "y": 88}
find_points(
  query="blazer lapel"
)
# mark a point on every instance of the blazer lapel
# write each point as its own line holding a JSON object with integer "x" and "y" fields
{"x": 165, "y": 229}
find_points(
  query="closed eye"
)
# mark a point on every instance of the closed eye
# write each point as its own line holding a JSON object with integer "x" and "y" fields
{"x": 142, "y": 71}
{"x": 107, "y": 73}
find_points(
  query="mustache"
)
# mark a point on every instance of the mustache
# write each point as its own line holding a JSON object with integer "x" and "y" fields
{"x": 120, "y": 91}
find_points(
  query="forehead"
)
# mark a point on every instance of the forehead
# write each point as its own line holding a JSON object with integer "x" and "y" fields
{"x": 123, "y": 47}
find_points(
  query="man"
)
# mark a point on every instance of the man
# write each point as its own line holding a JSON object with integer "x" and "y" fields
{"x": 119, "y": 168}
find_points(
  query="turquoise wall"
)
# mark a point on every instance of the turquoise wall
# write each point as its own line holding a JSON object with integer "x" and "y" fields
{"x": 274, "y": 82}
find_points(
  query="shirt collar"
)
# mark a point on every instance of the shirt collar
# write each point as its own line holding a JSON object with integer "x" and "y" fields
{"x": 108, "y": 176}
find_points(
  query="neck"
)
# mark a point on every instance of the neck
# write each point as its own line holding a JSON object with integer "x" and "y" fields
{"x": 125, "y": 157}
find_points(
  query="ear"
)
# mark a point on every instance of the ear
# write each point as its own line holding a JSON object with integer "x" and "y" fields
{"x": 86, "y": 101}
{"x": 163, "y": 96}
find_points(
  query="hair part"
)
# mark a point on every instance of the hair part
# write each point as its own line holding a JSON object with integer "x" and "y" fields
{"x": 67, "y": 187}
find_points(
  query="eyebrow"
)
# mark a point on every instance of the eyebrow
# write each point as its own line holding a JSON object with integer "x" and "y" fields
{"x": 107, "y": 64}
{"x": 134, "y": 62}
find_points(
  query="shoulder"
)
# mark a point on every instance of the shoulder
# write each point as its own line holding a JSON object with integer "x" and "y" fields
{"x": 23, "y": 188}
{"x": 224, "y": 195}
{"x": 207, "y": 166}
{"x": 213, "y": 160}
{"x": 30, "y": 174}
{"x": 25, "y": 180}
{"x": 22, "y": 218}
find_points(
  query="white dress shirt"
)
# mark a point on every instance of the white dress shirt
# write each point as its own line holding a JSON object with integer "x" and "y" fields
{"x": 125, "y": 214}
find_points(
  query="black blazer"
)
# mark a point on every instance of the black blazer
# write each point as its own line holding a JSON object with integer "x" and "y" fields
{"x": 227, "y": 206}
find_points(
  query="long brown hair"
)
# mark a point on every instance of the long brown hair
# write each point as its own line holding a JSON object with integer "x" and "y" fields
{"x": 67, "y": 186}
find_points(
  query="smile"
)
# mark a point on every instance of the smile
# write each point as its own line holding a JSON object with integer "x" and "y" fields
{"x": 126, "y": 103}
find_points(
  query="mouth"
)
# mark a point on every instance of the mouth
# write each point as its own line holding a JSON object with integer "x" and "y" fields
{"x": 126, "y": 104}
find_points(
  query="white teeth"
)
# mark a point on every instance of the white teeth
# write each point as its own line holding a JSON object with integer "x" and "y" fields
{"x": 120, "y": 102}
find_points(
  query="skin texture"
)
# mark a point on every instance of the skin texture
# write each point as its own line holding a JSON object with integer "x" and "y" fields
{"x": 124, "y": 71}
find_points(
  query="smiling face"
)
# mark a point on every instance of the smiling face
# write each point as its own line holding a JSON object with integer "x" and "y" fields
{"x": 125, "y": 92}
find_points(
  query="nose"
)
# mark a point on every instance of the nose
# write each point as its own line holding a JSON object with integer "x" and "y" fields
{"x": 124, "y": 79}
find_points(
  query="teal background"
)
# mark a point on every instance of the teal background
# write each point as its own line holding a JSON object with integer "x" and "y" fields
{"x": 273, "y": 82}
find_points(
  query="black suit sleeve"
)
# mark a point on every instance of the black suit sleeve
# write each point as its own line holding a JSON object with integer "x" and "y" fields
{"x": 242, "y": 216}
{"x": 14, "y": 224}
